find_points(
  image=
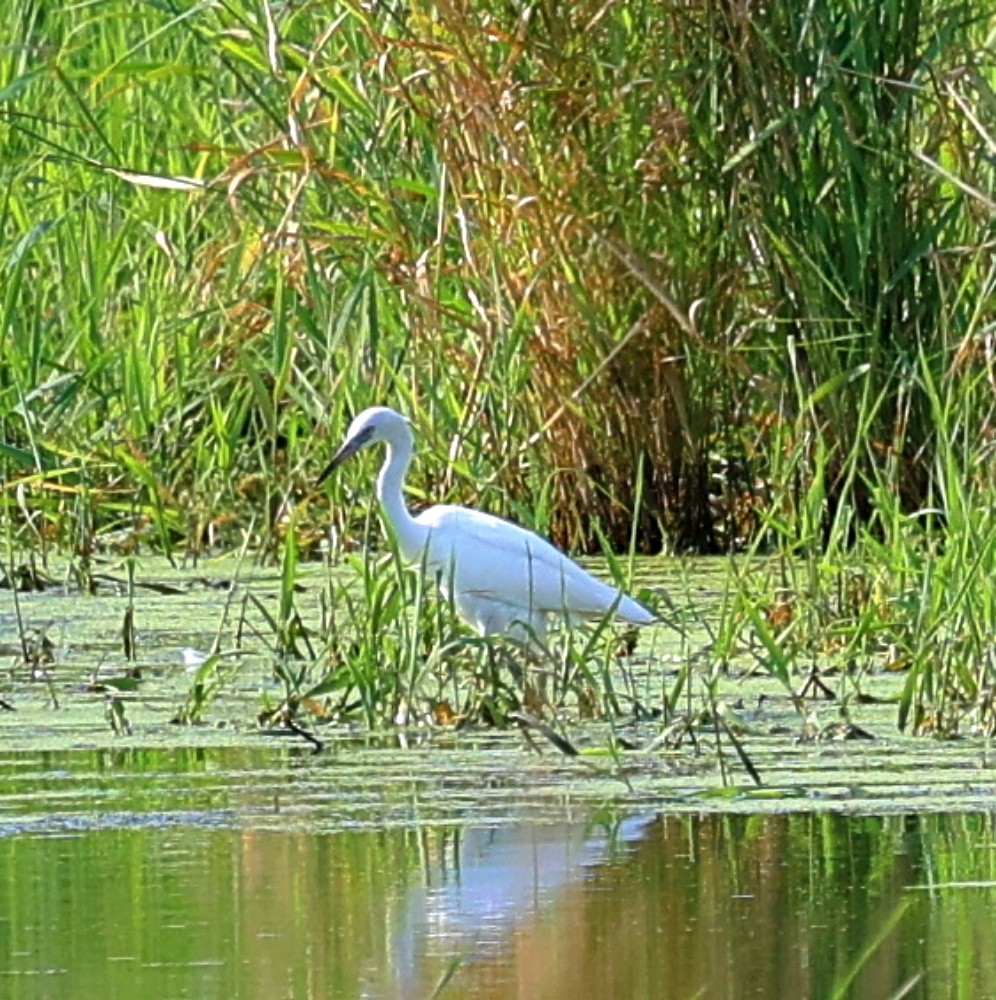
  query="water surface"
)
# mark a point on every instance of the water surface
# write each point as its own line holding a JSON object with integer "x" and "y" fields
{"x": 197, "y": 874}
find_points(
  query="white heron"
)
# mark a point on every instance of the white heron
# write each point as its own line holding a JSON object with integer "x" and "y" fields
{"x": 501, "y": 577}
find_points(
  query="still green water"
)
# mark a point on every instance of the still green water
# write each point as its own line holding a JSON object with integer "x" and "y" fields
{"x": 206, "y": 874}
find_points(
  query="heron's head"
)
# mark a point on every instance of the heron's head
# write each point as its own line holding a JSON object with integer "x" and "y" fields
{"x": 378, "y": 423}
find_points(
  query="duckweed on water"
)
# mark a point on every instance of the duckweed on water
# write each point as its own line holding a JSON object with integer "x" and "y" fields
{"x": 696, "y": 739}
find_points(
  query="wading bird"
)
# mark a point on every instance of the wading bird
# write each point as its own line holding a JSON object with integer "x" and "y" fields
{"x": 501, "y": 577}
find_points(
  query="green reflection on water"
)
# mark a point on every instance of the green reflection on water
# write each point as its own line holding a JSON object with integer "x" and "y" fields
{"x": 712, "y": 906}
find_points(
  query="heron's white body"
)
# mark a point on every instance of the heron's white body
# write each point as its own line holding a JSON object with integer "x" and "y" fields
{"x": 500, "y": 576}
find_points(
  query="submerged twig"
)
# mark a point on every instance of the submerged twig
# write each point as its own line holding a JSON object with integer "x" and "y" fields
{"x": 525, "y": 721}
{"x": 814, "y": 684}
{"x": 741, "y": 753}
{"x": 304, "y": 734}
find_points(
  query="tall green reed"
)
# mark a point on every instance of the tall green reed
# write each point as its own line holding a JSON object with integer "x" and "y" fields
{"x": 740, "y": 243}
{"x": 242, "y": 229}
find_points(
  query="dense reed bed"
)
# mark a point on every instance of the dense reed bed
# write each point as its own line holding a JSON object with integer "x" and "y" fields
{"x": 672, "y": 276}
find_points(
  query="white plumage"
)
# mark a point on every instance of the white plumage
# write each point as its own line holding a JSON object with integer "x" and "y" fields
{"x": 500, "y": 576}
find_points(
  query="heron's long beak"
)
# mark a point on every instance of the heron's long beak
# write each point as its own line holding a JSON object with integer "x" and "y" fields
{"x": 348, "y": 449}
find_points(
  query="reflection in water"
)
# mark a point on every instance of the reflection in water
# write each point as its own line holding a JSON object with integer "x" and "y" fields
{"x": 653, "y": 907}
{"x": 499, "y": 879}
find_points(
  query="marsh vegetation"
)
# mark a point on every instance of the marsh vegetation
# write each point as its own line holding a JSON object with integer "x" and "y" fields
{"x": 648, "y": 277}
{"x": 703, "y": 291}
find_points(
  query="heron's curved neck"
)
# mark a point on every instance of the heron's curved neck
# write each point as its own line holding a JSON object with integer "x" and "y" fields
{"x": 390, "y": 483}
